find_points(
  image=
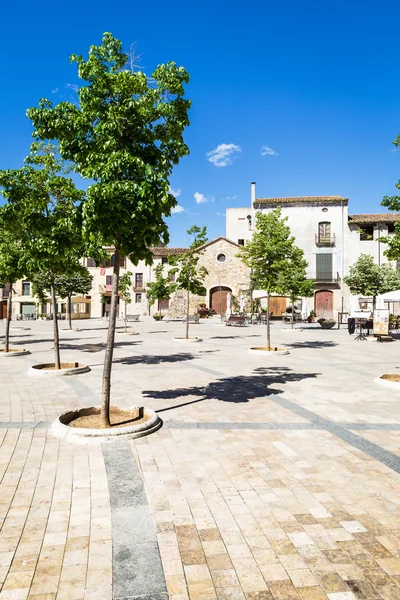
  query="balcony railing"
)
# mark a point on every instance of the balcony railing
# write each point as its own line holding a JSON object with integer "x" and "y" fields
{"x": 332, "y": 278}
{"x": 325, "y": 241}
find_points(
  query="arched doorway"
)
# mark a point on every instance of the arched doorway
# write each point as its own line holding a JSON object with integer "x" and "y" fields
{"x": 218, "y": 297}
{"x": 324, "y": 303}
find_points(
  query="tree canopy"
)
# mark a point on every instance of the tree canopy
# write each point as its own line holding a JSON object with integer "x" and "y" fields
{"x": 369, "y": 279}
{"x": 161, "y": 288}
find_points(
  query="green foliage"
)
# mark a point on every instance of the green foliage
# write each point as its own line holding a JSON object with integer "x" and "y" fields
{"x": 161, "y": 288}
{"x": 369, "y": 279}
{"x": 124, "y": 287}
{"x": 44, "y": 212}
{"x": 269, "y": 250}
{"x": 294, "y": 280}
{"x": 11, "y": 267}
{"x": 190, "y": 275}
{"x": 125, "y": 135}
{"x": 66, "y": 285}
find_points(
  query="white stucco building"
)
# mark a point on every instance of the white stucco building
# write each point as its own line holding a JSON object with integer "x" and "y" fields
{"x": 332, "y": 240}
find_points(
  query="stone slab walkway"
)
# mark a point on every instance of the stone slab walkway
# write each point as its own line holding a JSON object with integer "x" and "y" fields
{"x": 273, "y": 478}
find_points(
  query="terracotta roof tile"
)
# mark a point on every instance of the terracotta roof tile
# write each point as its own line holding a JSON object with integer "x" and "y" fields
{"x": 380, "y": 218}
{"x": 164, "y": 251}
{"x": 300, "y": 199}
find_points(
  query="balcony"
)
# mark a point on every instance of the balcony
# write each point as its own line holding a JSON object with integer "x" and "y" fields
{"x": 330, "y": 279}
{"x": 326, "y": 241}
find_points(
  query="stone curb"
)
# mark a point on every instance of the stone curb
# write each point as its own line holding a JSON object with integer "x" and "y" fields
{"x": 391, "y": 385}
{"x": 39, "y": 371}
{"x": 187, "y": 340}
{"x": 12, "y": 353}
{"x": 268, "y": 353}
{"x": 75, "y": 434}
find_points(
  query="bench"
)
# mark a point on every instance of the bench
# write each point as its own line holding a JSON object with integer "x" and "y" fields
{"x": 239, "y": 320}
{"x": 132, "y": 317}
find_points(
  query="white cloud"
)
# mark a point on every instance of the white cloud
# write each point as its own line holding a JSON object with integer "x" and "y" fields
{"x": 223, "y": 155}
{"x": 54, "y": 91}
{"x": 221, "y": 214}
{"x": 231, "y": 197}
{"x": 201, "y": 198}
{"x": 268, "y": 151}
{"x": 177, "y": 209}
{"x": 175, "y": 193}
{"x": 73, "y": 86}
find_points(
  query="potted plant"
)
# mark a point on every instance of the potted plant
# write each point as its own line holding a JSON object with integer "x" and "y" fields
{"x": 311, "y": 317}
{"x": 326, "y": 323}
{"x": 158, "y": 316}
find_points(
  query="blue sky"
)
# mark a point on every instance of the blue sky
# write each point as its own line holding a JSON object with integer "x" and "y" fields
{"x": 317, "y": 83}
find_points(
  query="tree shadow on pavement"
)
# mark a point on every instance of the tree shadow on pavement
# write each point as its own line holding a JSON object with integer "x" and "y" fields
{"x": 241, "y": 388}
{"x": 95, "y": 347}
{"x": 154, "y": 360}
{"x": 311, "y": 345}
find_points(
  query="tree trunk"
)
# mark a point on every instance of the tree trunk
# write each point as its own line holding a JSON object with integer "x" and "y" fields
{"x": 125, "y": 320}
{"x": 8, "y": 320}
{"x": 69, "y": 304}
{"x": 268, "y": 325}
{"x": 112, "y": 319}
{"x": 373, "y": 304}
{"x": 57, "y": 362}
{"x": 187, "y": 315}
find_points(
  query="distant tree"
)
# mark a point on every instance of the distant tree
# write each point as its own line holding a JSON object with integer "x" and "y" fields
{"x": 267, "y": 255}
{"x": 11, "y": 268}
{"x": 294, "y": 279}
{"x": 393, "y": 203}
{"x": 65, "y": 286}
{"x": 161, "y": 288}
{"x": 44, "y": 210}
{"x": 124, "y": 286}
{"x": 366, "y": 278}
{"x": 125, "y": 134}
{"x": 190, "y": 275}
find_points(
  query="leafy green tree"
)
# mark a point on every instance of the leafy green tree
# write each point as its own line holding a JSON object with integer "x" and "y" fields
{"x": 79, "y": 282}
{"x": 190, "y": 275}
{"x": 267, "y": 255}
{"x": 124, "y": 286}
{"x": 294, "y": 279}
{"x": 44, "y": 210}
{"x": 161, "y": 288}
{"x": 125, "y": 134}
{"x": 366, "y": 278}
{"x": 10, "y": 269}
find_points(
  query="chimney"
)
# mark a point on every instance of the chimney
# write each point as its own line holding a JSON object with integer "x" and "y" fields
{"x": 253, "y": 193}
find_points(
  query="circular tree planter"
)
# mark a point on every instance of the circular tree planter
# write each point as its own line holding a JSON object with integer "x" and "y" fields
{"x": 184, "y": 340}
{"x": 20, "y": 328}
{"x": 143, "y": 421}
{"x": 68, "y": 330}
{"x": 260, "y": 350}
{"x": 48, "y": 370}
{"x": 13, "y": 352}
{"x": 327, "y": 325}
{"x": 129, "y": 332}
{"x": 296, "y": 329}
{"x": 389, "y": 381}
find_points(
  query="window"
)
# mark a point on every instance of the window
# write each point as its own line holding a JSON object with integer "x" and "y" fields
{"x": 324, "y": 230}
{"x": 367, "y": 233}
{"x": 221, "y": 258}
{"x": 164, "y": 260}
{"x": 121, "y": 262}
{"x": 391, "y": 228}
{"x": 241, "y": 242}
{"x": 26, "y": 288}
{"x": 90, "y": 262}
{"x": 324, "y": 267}
{"x": 172, "y": 277}
{"x": 109, "y": 280}
{"x": 138, "y": 280}
{"x": 138, "y": 298}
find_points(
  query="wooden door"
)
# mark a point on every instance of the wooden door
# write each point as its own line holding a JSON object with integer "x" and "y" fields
{"x": 3, "y": 310}
{"x": 277, "y": 305}
{"x": 219, "y": 301}
{"x": 324, "y": 303}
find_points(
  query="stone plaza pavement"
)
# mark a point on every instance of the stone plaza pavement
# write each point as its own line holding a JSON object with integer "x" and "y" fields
{"x": 272, "y": 478}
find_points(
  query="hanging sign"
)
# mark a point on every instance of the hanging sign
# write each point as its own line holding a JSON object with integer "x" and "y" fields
{"x": 381, "y": 321}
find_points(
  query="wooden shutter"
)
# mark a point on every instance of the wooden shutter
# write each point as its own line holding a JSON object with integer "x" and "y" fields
{"x": 324, "y": 267}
